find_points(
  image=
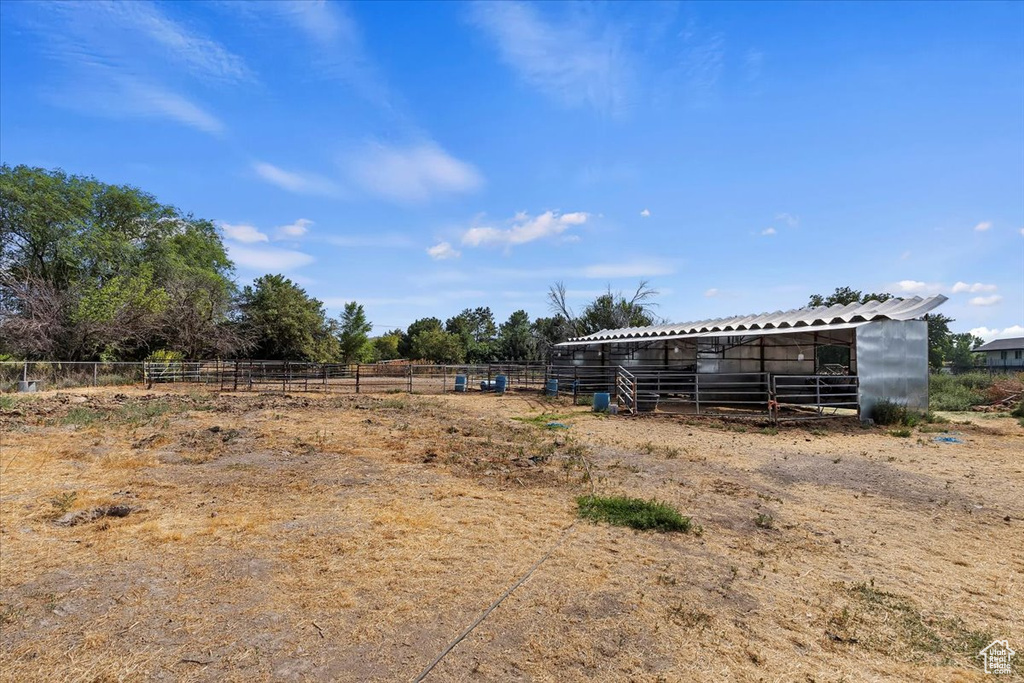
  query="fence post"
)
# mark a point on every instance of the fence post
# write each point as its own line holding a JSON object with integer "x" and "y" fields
{"x": 696, "y": 390}
{"x": 357, "y": 377}
{"x": 235, "y": 364}
{"x": 410, "y": 377}
{"x": 94, "y": 375}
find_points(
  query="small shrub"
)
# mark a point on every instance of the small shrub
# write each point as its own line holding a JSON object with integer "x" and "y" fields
{"x": 62, "y": 502}
{"x": 770, "y": 431}
{"x": 888, "y": 412}
{"x": 1019, "y": 410}
{"x": 7, "y": 402}
{"x": 901, "y": 433}
{"x": 632, "y": 512}
{"x": 764, "y": 521}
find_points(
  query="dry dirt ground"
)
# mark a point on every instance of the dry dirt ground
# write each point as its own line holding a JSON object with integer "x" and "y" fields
{"x": 302, "y": 537}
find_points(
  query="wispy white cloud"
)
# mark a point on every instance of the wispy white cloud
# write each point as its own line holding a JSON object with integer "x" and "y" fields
{"x": 334, "y": 46}
{"x": 983, "y": 226}
{"x": 768, "y": 232}
{"x": 989, "y": 334}
{"x": 412, "y": 174}
{"x": 575, "y": 62}
{"x": 202, "y": 56}
{"x": 294, "y": 230}
{"x": 711, "y": 292}
{"x": 244, "y": 233}
{"x": 297, "y": 182}
{"x": 985, "y": 300}
{"x": 961, "y": 287}
{"x": 645, "y": 213}
{"x": 917, "y": 287}
{"x": 268, "y": 259}
{"x": 524, "y": 229}
{"x": 124, "y": 60}
{"x": 789, "y": 219}
{"x": 443, "y": 251}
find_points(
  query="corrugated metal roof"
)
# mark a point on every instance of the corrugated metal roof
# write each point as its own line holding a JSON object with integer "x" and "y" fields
{"x": 1010, "y": 344}
{"x": 821, "y": 318}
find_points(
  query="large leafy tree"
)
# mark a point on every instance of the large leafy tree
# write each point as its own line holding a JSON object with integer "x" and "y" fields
{"x": 353, "y": 335}
{"x": 515, "y": 338}
{"x": 426, "y": 339}
{"x": 611, "y": 310}
{"x": 385, "y": 347}
{"x": 90, "y": 270}
{"x": 285, "y": 323}
{"x": 476, "y": 331}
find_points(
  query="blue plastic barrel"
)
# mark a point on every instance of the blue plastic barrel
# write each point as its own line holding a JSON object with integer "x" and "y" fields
{"x": 602, "y": 400}
{"x": 551, "y": 388}
{"x": 500, "y": 382}
{"x": 460, "y": 382}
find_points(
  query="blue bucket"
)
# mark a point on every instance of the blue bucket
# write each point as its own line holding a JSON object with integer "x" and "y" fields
{"x": 460, "y": 383}
{"x": 601, "y": 402}
{"x": 500, "y": 382}
{"x": 551, "y": 388}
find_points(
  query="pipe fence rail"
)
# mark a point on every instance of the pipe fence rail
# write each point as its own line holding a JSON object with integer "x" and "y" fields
{"x": 636, "y": 389}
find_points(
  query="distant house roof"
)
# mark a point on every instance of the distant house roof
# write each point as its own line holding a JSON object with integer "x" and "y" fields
{"x": 813, "y": 319}
{"x": 1011, "y": 344}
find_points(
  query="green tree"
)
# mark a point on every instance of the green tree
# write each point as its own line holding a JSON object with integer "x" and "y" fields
{"x": 961, "y": 350}
{"x": 90, "y": 269}
{"x": 611, "y": 310}
{"x": 353, "y": 335}
{"x": 515, "y": 338}
{"x": 434, "y": 344}
{"x": 476, "y": 331}
{"x": 417, "y": 326}
{"x": 385, "y": 347}
{"x": 844, "y": 296}
{"x": 285, "y": 323}
{"x": 547, "y": 332}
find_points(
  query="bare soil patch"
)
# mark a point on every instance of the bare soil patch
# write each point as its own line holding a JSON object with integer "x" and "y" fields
{"x": 351, "y": 538}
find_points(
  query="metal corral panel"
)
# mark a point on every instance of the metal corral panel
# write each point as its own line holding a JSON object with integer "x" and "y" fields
{"x": 892, "y": 363}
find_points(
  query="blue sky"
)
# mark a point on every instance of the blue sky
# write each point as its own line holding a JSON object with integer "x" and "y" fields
{"x": 422, "y": 158}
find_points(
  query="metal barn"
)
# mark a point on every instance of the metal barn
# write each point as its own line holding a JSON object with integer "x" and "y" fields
{"x": 803, "y": 362}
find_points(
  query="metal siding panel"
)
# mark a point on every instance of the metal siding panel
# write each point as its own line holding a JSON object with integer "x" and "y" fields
{"x": 892, "y": 363}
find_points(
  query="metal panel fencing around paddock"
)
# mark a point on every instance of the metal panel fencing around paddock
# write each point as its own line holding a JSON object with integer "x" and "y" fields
{"x": 46, "y": 375}
{"x": 252, "y": 375}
